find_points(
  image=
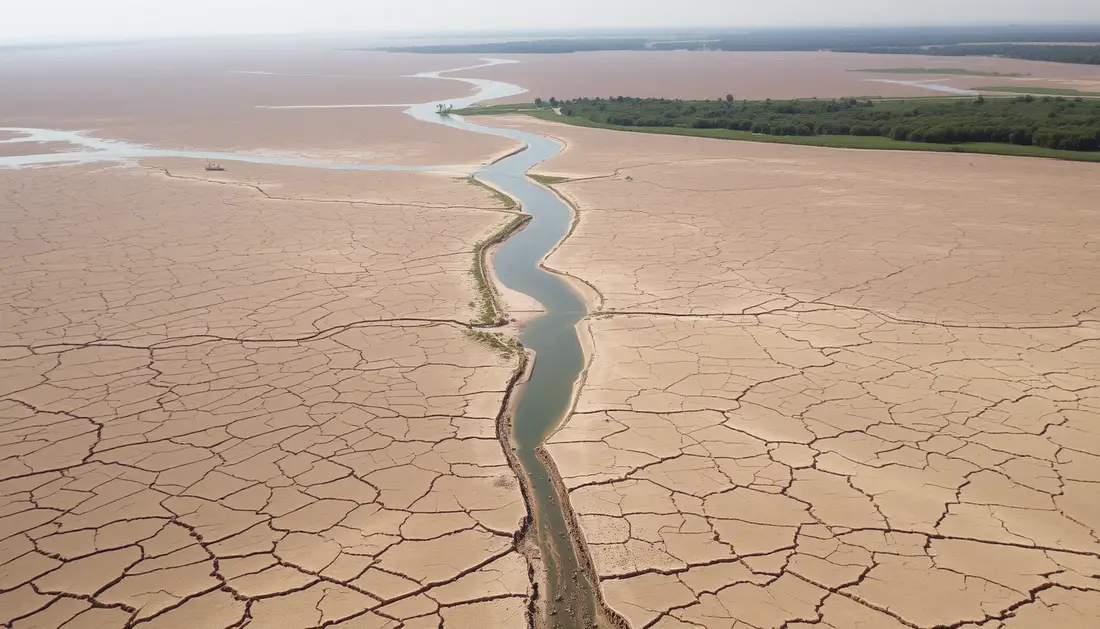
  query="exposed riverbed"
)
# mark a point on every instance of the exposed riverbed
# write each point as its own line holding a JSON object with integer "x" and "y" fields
{"x": 570, "y": 600}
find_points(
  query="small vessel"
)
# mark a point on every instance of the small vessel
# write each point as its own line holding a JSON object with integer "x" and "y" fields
{"x": 213, "y": 166}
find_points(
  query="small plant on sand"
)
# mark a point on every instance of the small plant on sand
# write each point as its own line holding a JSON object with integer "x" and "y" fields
{"x": 508, "y": 202}
{"x": 504, "y": 346}
{"x": 485, "y": 303}
{"x": 548, "y": 180}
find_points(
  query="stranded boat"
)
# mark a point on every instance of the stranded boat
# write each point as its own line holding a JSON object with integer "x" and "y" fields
{"x": 213, "y": 166}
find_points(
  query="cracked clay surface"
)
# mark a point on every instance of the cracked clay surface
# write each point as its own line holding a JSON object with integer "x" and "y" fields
{"x": 224, "y": 406}
{"x": 834, "y": 389}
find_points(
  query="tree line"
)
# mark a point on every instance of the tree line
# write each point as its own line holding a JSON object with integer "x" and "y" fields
{"x": 1049, "y": 122}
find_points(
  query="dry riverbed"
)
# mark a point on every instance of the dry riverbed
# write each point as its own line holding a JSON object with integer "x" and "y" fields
{"x": 252, "y": 400}
{"x": 834, "y": 388}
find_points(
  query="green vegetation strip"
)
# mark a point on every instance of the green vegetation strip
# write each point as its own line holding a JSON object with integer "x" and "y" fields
{"x": 496, "y": 110}
{"x": 506, "y": 201}
{"x": 488, "y": 312}
{"x": 504, "y": 346}
{"x": 548, "y": 180}
{"x": 1052, "y": 127}
{"x": 1045, "y": 91}
{"x": 954, "y": 71}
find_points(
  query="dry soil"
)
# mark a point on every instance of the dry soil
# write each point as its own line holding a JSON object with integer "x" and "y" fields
{"x": 834, "y": 388}
{"x": 224, "y": 404}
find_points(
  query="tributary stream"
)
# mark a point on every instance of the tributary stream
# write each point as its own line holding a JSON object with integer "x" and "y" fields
{"x": 571, "y": 600}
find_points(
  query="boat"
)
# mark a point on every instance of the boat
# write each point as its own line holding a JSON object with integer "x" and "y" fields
{"x": 213, "y": 166}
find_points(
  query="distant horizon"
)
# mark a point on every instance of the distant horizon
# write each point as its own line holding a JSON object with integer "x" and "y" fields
{"x": 548, "y": 32}
{"x": 79, "y": 21}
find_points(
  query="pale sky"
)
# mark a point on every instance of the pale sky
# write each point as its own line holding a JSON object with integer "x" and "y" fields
{"x": 56, "y": 20}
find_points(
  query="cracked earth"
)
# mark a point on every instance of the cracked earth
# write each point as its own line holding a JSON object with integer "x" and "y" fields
{"x": 834, "y": 389}
{"x": 251, "y": 402}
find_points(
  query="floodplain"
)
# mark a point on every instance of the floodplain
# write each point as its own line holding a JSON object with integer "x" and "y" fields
{"x": 820, "y": 388}
{"x": 258, "y": 395}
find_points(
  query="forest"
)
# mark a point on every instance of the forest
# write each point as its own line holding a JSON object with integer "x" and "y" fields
{"x": 1047, "y": 122}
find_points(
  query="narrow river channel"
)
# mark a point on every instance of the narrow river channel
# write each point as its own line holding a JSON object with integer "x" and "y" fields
{"x": 570, "y": 599}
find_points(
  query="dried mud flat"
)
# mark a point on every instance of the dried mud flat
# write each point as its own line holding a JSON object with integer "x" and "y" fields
{"x": 17, "y": 149}
{"x": 216, "y": 97}
{"x": 760, "y": 75}
{"x": 223, "y": 405}
{"x": 834, "y": 388}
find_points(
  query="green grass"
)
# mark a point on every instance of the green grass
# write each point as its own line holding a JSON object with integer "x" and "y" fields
{"x": 495, "y": 109}
{"x": 955, "y": 71}
{"x": 833, "y": 141}
{"x": 508, "y": 202}
{"x": 548, "y": 180}
{"x": 1048, "y": 91}
{"x": 505, "y": 347}
{"x": 488, "y": 312}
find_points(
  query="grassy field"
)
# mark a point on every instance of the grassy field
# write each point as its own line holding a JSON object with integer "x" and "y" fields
{"x": 829, "y": 141}
{"x": 954, "y": 71}
{"x": 548, "y": 180}
{"x": 1046, "y": 91}
{"x": 491, "y": 110}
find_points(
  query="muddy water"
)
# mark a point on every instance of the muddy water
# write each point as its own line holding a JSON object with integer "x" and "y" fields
{"x": 571, "y": 602}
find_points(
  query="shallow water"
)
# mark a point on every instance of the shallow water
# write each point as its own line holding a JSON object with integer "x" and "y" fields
{"x": 553, "y": 335}
{"x": 91, "y": 149}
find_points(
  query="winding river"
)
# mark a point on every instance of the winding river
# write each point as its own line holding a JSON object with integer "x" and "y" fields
{"x": 571, "y": 599}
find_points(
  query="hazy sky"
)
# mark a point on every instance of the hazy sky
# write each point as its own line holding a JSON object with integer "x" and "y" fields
{"x": 38, "y": 20}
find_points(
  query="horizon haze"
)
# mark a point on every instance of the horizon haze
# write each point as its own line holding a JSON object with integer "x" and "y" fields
{"x": 136, "y": 19}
